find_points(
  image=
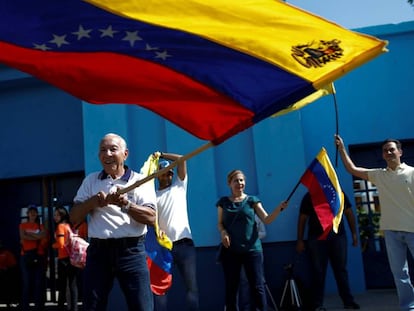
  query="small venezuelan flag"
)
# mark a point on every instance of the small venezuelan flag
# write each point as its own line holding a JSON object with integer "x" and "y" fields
{"x": 326, "y": 193}
{"x": 157, "y": 246}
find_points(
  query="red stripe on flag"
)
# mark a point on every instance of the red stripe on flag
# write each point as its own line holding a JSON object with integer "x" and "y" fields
{"x": 114, "y": 78}
{"x": 161, "y": 280}
{"x": 325, "y": 234}
{"x": 320, "y": 204}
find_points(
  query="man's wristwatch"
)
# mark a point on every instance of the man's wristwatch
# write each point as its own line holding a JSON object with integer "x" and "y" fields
{"x": 125, "y": 208}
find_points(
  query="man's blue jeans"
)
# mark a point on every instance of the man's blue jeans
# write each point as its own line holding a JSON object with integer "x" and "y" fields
{"x": 397, "y": 244}
{"x": 334, "y": 249}
{"x": 124, "y": 259}
{"x": 184, "y": 259}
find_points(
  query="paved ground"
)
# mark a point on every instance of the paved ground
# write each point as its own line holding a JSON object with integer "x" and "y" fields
{"x": 378, "y": 300}
{"x": 371, "y": 300}
{"x": 48, "y": 307}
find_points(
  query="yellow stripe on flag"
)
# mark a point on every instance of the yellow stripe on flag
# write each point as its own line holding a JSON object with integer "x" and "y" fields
{"x": 270, "y": 30}
{"x": 324, "y": 160}
{"x": 151, "y": 166}
{"x": 329, "y": 89}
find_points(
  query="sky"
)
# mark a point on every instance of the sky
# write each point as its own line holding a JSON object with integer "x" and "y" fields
{"x": 353, "y": 14}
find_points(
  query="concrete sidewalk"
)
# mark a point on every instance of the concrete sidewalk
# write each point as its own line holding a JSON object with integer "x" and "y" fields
{"x": 370, "y": 300}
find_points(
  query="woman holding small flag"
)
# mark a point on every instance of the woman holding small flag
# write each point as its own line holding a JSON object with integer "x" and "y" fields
{"x": 240, "y": 238}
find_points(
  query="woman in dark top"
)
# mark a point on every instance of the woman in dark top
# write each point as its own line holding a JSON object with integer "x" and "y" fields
{"x": 242, "y": 246}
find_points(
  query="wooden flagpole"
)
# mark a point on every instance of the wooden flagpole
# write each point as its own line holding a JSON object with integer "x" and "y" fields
{"x": 166, "y": 169}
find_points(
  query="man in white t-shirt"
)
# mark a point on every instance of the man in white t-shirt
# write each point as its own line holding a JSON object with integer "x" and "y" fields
{"x": 173, "y": 220}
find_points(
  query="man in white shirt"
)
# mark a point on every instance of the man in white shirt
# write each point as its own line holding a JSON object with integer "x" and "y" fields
{"x": 173, "y": 220}
{"x": 116, "y": 228}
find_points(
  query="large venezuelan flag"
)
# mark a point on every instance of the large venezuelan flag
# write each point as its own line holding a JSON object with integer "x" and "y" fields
{"x": 214, "y": 68}
{"x": 325, "y": 191}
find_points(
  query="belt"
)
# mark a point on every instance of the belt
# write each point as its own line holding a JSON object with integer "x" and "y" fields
{"x": 182, "y": 241}
{"x": 118, "y": 242}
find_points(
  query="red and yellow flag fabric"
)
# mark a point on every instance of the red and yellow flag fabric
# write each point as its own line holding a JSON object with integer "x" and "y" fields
{"x": 213, "y": 68}
{"x": 158, "y": 245}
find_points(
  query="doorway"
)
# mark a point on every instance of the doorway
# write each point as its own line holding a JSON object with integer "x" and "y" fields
{"x": 44, "y": 192}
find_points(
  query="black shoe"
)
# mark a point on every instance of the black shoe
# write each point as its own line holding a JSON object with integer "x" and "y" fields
{"x": 352, "y": 305}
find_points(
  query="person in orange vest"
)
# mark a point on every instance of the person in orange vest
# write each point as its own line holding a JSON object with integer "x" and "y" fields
{"x": 8, "y": 273}
{"x": 33, "y": 260}
{"x": 66, "y": 272}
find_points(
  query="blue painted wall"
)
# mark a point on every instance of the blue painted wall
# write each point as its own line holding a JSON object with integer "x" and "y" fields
{"x": 46, "y": 131}
{"x": 41, "y": 128}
